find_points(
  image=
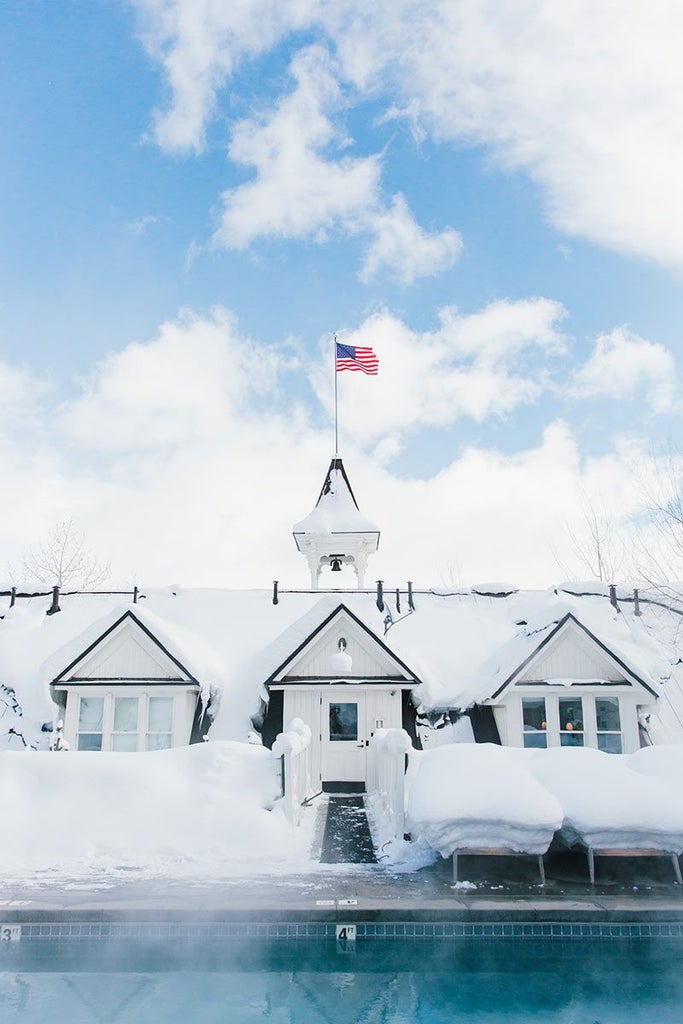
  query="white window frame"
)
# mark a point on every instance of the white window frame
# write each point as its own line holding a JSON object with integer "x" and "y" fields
{"x": 554, "y": 733}
{"x": 90, "y": 732}
{"x": 609, "y": 732}
{"x": 184, "y": 703}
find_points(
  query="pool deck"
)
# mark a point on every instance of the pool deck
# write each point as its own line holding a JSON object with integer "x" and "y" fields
{"x": 369, "y": 893}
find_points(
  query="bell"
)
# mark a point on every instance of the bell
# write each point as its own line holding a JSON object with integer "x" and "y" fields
{"x": 335, "y": 565}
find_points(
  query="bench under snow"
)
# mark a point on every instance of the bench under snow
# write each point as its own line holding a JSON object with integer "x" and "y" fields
{"x": 477, "y": 799}
{"x": 608, "y": 807}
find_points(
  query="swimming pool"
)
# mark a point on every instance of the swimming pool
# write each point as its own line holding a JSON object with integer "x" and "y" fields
{"x": 425, "y": 979}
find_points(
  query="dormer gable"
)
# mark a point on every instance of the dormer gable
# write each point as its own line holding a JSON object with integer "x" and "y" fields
{"x": 126, "y": 651}
{"x": 571, "y": 652}
{"x": 342, "y": 646}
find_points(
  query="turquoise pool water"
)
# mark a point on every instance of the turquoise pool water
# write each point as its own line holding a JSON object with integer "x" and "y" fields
{"x": 382, "y": 982}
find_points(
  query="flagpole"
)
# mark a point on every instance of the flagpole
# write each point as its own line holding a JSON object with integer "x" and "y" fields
{"x": 336, "y": 403}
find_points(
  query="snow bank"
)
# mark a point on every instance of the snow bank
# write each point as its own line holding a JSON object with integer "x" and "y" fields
{"x": 663, "y": 763}
{"x": 467, "y": 796}
{"x": 205, "y": 807}
{"x": 606, "y": 803}
{"x": 464, "y": 796}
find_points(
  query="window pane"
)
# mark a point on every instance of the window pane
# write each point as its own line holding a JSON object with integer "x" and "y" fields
{"x": 571, "y": 739}
{"x": 535, "y": 724}
{"x": 533, "y": 713}
{"x": 571, "y": 714}
{"x": 125, "y": 714}
{"x": 125, "y": 741}
{"x": 90, "y": 713}
{"x": 90, "y": 741}
{"x": 607, "y": 714}
{"x": 343, "y": 721}
{"x": 159, "y": 740}
{"x": 160, "y": 714}
{"x": 610, "y": 742}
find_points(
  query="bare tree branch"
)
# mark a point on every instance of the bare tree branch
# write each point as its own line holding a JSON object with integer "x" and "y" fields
{"x": 65, "y": 560}
{"x": 598, "y": 547}
{"x": 658, "y": 552}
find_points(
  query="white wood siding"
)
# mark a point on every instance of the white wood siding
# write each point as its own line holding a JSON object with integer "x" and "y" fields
{"x": 127, "y": 653}
{"x": 572, "y": 655}
{"x": 368, "y": 660}
{"x": 305, "y": 704}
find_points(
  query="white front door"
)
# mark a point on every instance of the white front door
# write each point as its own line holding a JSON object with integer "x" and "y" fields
{"x": 344, "y": 736}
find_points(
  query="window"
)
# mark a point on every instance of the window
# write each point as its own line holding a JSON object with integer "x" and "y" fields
{"x": 343, "y": 722}
{"x": 560, "y": 720}
{"x": 124, "y": 723}
{"x": 535, "y": 722}
{"x": 159, "y": 723}
{"x": 608, "y": 722}
{"x": 571, "y": 721}
{"x": 125, "y": 734}
{"x": 90, "y": 719}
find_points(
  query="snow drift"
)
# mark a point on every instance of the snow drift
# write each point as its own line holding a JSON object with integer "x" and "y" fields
{"x": 466, "y": 796}
{"x": 607, "y": 804}
{"x": 207, "y": 807}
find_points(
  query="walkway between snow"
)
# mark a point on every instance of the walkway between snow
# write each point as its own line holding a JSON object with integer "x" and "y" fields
{"x": 347, "y": 834}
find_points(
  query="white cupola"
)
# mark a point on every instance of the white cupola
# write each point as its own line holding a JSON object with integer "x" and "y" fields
{"x": 336, "y": 533}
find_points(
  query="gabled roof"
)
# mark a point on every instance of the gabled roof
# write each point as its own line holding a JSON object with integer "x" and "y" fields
{"x": 336, "y": 510}
{"x": 461, "y": 646}
{"x": 340, "y": 609}
{"x": 557, "y": 628}
{"x": 336, "y": 466}
{"x": 128, "y": 615}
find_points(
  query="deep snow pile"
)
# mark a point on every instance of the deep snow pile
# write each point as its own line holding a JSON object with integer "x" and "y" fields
{"x": 477, "y": 795}
{"x": 606, "y": 803}
{"x": 203, "y": 809}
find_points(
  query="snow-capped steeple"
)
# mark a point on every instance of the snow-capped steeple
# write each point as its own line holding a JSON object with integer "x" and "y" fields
{"x": 336, "y": 533}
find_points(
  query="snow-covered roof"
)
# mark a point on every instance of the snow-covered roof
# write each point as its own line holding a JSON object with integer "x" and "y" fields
{"x": 462, "y": 646}
{"x": 336, "y": 510}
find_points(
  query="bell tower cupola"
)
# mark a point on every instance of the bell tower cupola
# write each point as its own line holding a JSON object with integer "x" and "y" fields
{"x": 336, "y": 533}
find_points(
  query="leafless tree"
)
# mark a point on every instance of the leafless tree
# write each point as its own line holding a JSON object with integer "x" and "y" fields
{"x": 598, "y": 546}
{"x": 64, "y": 560}
{"x": 659, "y": 549}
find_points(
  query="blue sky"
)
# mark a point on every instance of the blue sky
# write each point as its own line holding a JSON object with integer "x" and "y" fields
{"x": 196, "y": 195}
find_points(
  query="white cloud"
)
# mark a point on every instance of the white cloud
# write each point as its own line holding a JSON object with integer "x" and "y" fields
{"x": 401, "y": 245}
{"x": 195, "y": 379}
{"x": 301, "y": 192}
{"x": 473, "y": 366}
{"x": 581, "y": 96}
{"x": 624, "y": 365}
{"x": 140, "y": 225}
{"x": 297, "y": 191}
{"x": 182, "y": 459}
{"x": 20, "y": 390}
{"x": 200, "y": 44}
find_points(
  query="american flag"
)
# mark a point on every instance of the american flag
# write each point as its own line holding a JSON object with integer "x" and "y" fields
{"x": 352, "y": 357}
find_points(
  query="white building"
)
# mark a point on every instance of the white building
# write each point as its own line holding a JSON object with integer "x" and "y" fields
{"x": 491, "y": 664}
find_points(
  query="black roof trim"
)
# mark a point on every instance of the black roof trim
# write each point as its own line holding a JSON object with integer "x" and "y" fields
{"x": 128, "y": 614}
{"x": 354, "y": 679}
{"x": 560, "y": 625}
{"x": 126, "y": 680}
{"x": 341, "y": 607}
